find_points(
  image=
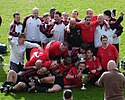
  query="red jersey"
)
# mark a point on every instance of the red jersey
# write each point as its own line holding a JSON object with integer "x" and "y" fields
{"x": 53, "y": 51}
{"x": 94, "y": 18}
{"x": 87, "y": 33}
{"x": 47, "y": 64}
{"x": 104, "y": 55}
{"x": 35, "y": 55}
{"x": 65, "y": 68}
{"x": 75, "y": 81}
{"x": 93, "y": 65}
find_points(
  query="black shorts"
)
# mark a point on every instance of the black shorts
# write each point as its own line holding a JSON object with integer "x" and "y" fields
{"x": 59, "y": 81}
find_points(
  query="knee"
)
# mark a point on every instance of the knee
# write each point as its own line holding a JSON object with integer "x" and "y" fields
{"x": 12, "y": 72}
{"x": 21, "y": 85}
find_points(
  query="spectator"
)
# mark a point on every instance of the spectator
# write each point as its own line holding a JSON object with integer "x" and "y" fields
{"x": 107, "y": 52}
{"x": 33, "y": 34}
{"x": 113, "y": 82}
{"x": 16, "y": 26}
{"x": 17, "y": 52}
{"x": 75, "y": 15}
{"x": 67, "y": 94}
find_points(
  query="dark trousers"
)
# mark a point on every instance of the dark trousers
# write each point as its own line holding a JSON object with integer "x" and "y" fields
{"x": 16, "y": 67}
{"x": 28, "y": 50}
{"x": 117, "y": 46}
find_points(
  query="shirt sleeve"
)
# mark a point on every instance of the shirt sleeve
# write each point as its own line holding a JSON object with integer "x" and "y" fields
{"x": 11, "y": 42}
{"x": 94, "y": 23}
{"x": 31, "y": 45}
{"x": 101, "y": 80}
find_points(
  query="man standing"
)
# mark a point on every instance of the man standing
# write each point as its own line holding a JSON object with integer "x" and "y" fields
{"x": 16, "y": 26}
{"x": 119, "y": 28}
{"x": 73, "y": 35}
{"x": 33, "y": 34}
{"x": 58, "y": 28}
{"x": 88, "y": 29}
{"x": 75, "y": 15}
{"x": 18, "y": 48}
{"x": 107, "y": 52}
{"x": 113, "y": 82}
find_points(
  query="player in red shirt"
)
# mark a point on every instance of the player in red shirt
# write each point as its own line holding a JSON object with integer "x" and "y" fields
{"x": 55, "y": 50}
{"x": 35, "y": 55}
{"x": 94, "y": 66}
{"x": 72, "y": 79}
{"x": 89, "y": 12}
{"x": 88, "y": 28}
{"x": 107, "y": 52}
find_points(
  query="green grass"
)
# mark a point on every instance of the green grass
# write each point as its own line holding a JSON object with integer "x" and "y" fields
{"x": 8, "y": 7}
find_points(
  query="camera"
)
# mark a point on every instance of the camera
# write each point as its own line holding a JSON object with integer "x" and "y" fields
{"x": 123, "y": 64}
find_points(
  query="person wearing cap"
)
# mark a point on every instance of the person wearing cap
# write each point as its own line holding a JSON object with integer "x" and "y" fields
{"x": 119, "y": 28}
{"x": 67, "y": 94}
{"x": 18, "y": 48}
{"x": 94, "y": 66}
{"x": 113, "y": 82}
{"x": 107, "y": 52}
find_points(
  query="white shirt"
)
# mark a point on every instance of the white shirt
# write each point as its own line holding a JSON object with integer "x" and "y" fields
{"x": 17, "y": 51}
{"x": 59, "y": 32}
{"x": 103, "y": 31}
{"x": 32, "y": 29}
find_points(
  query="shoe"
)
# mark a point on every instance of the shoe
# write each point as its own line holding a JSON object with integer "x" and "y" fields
{"x": 1, "y": 89}
{"x": 83, "y": 87}
{"x": 32, "y": 89}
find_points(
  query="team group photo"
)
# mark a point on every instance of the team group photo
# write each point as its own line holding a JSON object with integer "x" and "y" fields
{"x": 62, "y": 50}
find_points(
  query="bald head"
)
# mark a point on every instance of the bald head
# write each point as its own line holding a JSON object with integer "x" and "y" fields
{"x": 111, "y": 65}
{"x": 72, "y": 23}
{"x": 100, "y": 19}
{"x": 35, "y": 12}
